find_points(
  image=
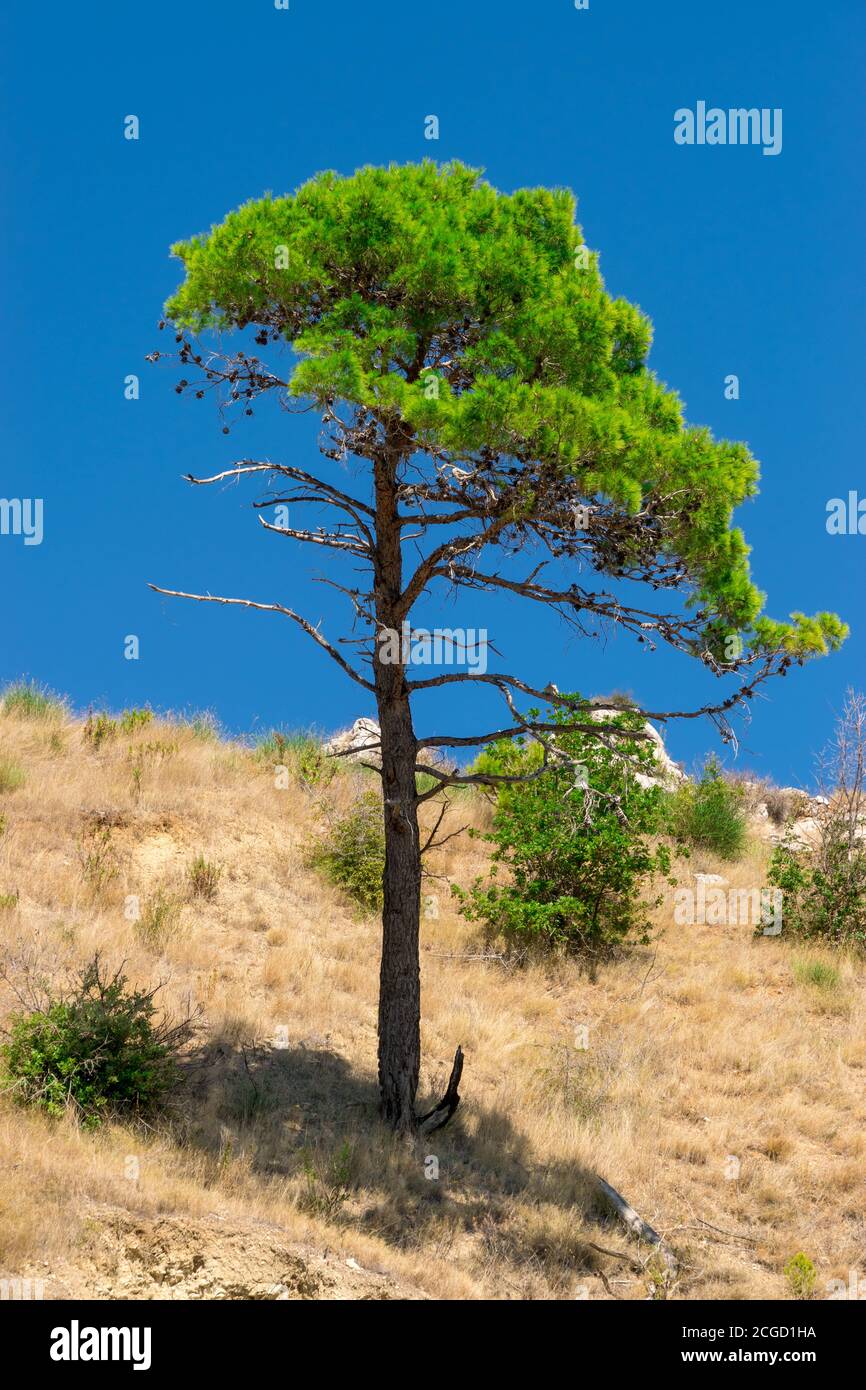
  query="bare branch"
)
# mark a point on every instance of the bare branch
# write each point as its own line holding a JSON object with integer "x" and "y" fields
{"x": 308, "y": 627}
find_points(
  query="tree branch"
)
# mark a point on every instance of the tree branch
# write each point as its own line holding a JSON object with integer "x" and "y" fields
{"x": 275, "y": 608}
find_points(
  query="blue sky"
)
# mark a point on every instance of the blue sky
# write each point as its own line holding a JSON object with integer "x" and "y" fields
{"x": 746, "y": 264}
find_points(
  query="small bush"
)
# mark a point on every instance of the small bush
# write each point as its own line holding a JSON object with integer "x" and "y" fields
{"x": 352, "y": 853}
{"x": 97, "y": 1049}
{"x": 302, "y": 753}
{"x": 785, "y": 804}
{"x": 327, "y": 1181}
{"x": 824, "y": 891}
{"x": 824, "y": 883}
{"x": 12, "y": 775}
{"x": 160, "y": 919}
{"x": 203, "y": 878}
{"x": 801, "y": 1275}
{"x": 28, "y": 700}
{"x": 709, "y": 814}
{"x": 8, "y": 901}
{"x": 98, "y": 858}
{"x": 99, "y": 728}
{"x": 202, "y": 724}
{"x": 817, "y": 973}
{"x": 133, "y": 719}
{"x": 573, "y": 842}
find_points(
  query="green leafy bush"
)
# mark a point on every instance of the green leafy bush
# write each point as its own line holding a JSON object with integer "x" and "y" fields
{"x": 573, "y": 843}
{"x": 352, "y": 852}
{"x": 801, "y": 1275}
{"x": 824, "y": 891}
{"x": 99, "y": 728}
{"x": 98, "y": 1049}
{"x": 710, "y": 814}
{"x": 133, "y": 719}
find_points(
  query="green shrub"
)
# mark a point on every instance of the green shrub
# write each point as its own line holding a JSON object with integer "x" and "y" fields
{"x": 801, "y": 1275}
{"x": 133, "y": 719}
{"x": 572, "y": 842}
{"x": 99, "y": 728}
{"x": 709, "y": 814}
{"x": 97, "y": 1049}
{"x": 8, "y": 901}
{"x": 299, "y": 751}
{"x": 12, "y": 775}
{"x": 824, "y": 892}
{"x": 28, "y": 700}
{"x": 327, "y": 1181}
{"x": 824, "y": 883}
{"x": 352, "y": 853}
{"x": 817, "y": 973}
{"x": 160, "y": 919}
{"x": 203, "y": 878}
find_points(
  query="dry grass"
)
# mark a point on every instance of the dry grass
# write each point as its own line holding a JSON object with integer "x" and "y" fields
{"x": 710, "y": 1054}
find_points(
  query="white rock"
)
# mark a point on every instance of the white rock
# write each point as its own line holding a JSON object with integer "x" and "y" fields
{"x": 353, "y": 743}
{"x": 669, "y": 775}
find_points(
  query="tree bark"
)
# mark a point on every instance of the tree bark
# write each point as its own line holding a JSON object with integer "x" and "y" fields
{"x": 400, "y": 975}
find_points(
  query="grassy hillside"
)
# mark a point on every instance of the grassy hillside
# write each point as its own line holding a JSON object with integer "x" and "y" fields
{"x": 272, "y": 1177}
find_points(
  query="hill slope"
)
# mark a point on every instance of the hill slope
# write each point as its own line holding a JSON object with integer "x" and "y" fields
{"x": 273, "y": 1177}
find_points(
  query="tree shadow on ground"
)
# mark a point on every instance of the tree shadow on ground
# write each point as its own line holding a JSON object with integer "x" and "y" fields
{"x": 302, "y": 1115}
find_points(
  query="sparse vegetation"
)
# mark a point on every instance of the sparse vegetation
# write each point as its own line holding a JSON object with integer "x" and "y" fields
{"x": 29, "y": 700}
{"x": 134, "y": 719}
{"x": 202, "y": 724}
{"x": 818, "y": 973}
{"x": 12, "y": 775}
{"x": 98, "y": 857}
{"x": 160, "y": 919}
{"x": 649, "y": 1070}
{"x": 824, "y": 885}
{"x": 327, "y": 1181}
{"x": 203, "y": 877}
{"x": 99, "y": 728}
{"x": 300, "y": 752}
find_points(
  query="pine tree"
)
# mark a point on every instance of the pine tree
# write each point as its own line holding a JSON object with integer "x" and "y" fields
{"x": 461, "y": 344}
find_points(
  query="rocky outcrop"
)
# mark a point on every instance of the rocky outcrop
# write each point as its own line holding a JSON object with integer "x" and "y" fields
{"x": 669, "y": 775}
{"x": 360, "y": 744}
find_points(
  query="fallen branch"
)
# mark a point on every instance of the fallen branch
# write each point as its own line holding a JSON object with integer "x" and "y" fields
{"x": 636, "y": 1224}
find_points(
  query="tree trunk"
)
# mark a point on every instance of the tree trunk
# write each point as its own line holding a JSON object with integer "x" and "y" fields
{"x": 399, "y": 977}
